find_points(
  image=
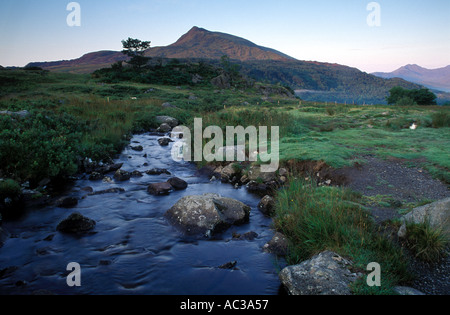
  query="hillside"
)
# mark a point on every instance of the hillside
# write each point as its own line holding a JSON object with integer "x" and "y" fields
{"x": 317, "y": 81}
{"x": 436, "y": 79}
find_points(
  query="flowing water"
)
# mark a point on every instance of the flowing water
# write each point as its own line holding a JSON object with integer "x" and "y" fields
{"x": 133, "y": 249}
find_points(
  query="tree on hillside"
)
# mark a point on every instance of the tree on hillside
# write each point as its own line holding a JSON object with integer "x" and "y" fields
{"x": 401, "y": 96}
{"x": 135, "y": 49}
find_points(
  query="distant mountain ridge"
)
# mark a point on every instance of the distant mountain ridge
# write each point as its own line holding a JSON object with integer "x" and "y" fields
{"x": 321, "y": 81}
{"x": 436, "y": 79}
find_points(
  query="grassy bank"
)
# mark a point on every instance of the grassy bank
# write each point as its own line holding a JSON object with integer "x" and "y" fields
{"x": 316, "y": 219}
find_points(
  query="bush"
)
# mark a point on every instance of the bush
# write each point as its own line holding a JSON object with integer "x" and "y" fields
{"x": 9, "y": 189}
{"x": 144, "y": 121}
{"x": 406, "y": 101}
{"x": 441, "y": 119}
{"x": 42, "y": 145}
{"x": 401, "y": 96}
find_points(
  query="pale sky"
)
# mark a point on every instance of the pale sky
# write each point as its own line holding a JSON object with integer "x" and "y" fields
{"x": 335, "y": 31}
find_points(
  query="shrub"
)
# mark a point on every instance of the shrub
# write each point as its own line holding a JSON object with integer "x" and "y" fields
{"x": 42, "y": 145}
{"x": 330, "y": 111}
{"x": 406, "y": 101}
{"x": 144, "y": 121}
{"x": 9, "y": 189}
{"x": 441, "y": 119}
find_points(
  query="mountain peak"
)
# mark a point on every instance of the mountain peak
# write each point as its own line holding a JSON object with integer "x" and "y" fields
{"x": 412, "y": 67}
{"x": 201, "y": 43}
{"x": 437, "y": 79}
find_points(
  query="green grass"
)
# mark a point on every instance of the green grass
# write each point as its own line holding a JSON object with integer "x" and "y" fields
{"x": 316, "y": 219}
{"x": 426, "y": 243}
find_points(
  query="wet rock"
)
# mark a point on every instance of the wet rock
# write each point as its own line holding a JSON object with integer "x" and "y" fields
{"x": 164, "y": 128}
{"x": 157, "y": 171}
{"x": 108, "y": 191}
{"x": 76, "y": 223}
{"x": 136, "y": 174}
{"x": 278, "y": 245}
{"x": 138, "y": 148}
{"x": 164, "y": 141}
{"x": 228, "y": 265}
{"x": 324, "y": 274}
{"x": 159, "y": 189}
{"x": 172, "y": 122}
{"x": 107, "y": 180}
{"x": 95, "y": 176}
{"x": 109, "y": 168}
{"x": 249, "y": 236}
{"x": 255, "y": 174}
{"x": 258, "y": 188}
{"x": 228, "y": 172}
{"x": 207, "y": 214}
{"x": 122, "y": 175}
{"x": 267, "y": 205}
{"x": 87, "y": 189}
{"x": 207, "y": 171}
{"x": 178, "y": 183}
{"x": 49, "y": 238}
{"x": 67, "y": 202}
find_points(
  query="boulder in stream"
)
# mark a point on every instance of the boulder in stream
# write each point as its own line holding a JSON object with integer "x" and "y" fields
{"x": 178, "y": 183}
{"x": 76, "y": 223}
{"x": 122, "y": 175}
{"x": 159, "y": 189}
{"x": 207, "y": 214}
{"x": 67, "y": 202}
{"x": 157, "y": 171}
{"x": 164, "y": 141}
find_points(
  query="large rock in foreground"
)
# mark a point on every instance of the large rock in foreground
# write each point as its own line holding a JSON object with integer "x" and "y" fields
{"x": 324, "y": 274}
{"x": 437, "y": 214}
{"x": 207, "y": 214}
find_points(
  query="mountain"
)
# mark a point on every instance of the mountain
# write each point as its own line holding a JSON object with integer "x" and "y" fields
{"x": 317, "y": 81}
{"x": 436, "y": 79}
{"x": 86, "y": 64}
{"x": 199, "y": 43}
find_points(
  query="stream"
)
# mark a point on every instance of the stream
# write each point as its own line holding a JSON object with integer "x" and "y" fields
{"x": 133, "y": 249}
